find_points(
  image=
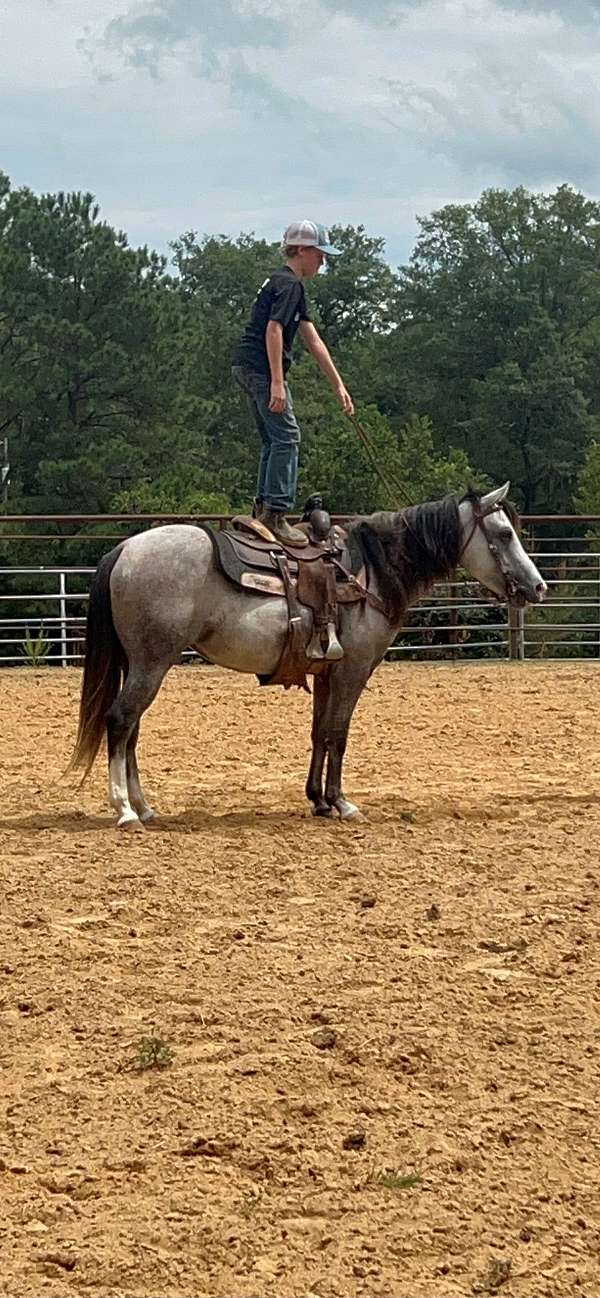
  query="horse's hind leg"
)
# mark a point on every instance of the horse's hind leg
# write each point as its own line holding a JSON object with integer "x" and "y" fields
{"x": 134, "y": 787}
{"x": 122, "y": 724}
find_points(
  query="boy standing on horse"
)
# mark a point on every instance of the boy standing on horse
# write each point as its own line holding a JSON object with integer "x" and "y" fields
{"x": 261, "y": 363}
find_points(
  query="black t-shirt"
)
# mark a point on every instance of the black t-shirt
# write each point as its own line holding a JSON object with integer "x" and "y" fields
{"x": 281, "y": 298}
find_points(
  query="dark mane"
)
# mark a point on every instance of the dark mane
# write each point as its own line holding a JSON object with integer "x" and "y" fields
{"x": 410, "y": 550}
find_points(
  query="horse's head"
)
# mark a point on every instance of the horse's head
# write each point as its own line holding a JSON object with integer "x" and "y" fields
{"x": 492, "y": 552}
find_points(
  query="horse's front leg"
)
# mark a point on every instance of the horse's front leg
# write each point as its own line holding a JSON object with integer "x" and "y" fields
{"x": 314, "y": 784}
{"x": 346, "y": 686}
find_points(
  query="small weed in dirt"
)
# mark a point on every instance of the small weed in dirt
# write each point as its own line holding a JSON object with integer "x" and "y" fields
{"x": 249, "y": 1204}
{"x": 152, "y": 1052}
{"x": 35, "y": 650}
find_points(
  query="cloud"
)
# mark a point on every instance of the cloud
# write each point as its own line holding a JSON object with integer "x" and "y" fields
{"x": 230, "y": 115}
{"x": 254, "y": 93}
{"x": 517, "y": 103}
{"x": 147, "y": 34}
{"x": 570, "y": 10}
{"x": 510, "y": 137}
{"x": 378, "y": 12}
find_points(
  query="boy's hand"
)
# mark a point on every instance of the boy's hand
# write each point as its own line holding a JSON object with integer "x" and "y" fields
{"x": 345, "y": 399}
{"x": 278, "y": 400}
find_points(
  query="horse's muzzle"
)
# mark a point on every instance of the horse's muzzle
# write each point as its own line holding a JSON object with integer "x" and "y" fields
{"x": 518, "y": 596}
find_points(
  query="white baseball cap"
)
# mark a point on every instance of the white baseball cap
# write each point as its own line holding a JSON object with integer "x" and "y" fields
{"x": 308, "y": 234}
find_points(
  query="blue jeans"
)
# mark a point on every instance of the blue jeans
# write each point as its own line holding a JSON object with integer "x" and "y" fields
{"x": 280, "y": 437}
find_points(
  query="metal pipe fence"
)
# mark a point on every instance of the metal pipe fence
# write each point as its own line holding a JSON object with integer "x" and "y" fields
{"x": 43, "y": 606}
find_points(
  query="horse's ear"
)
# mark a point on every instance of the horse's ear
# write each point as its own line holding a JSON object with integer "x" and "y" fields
{"x": 494, "y": 498}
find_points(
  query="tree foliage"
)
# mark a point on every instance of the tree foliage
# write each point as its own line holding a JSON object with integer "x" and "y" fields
{"x": 475, "y": 362}
{"x": 499, "y": 319}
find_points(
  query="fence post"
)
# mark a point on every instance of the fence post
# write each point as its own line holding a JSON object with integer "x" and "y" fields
{"x": 62, "y": 588}
{"x": 453, "y": 619}
{"x": 516, "y": 633}
{"x": 598, "y": 614}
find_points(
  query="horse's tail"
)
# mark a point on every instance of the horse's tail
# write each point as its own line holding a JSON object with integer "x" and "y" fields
{"x": 105, "y": 661}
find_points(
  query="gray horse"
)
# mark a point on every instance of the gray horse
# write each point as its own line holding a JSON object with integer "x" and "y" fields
{"x": 160, "y": 592}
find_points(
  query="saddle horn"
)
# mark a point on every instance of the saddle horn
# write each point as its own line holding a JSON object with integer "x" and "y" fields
{"x": 314, "y": 502}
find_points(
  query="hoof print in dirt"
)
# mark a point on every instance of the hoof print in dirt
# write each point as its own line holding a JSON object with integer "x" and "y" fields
{"x": 52, "y": 1263}
{"x": 503, "y": 948}
{"x": 354, "y": 1140}
{"x": 495, "y": 1275}
{"x": 365, "y": 900}
{"x": 205, "y": 1147}
{"x": 324, "y": 1038}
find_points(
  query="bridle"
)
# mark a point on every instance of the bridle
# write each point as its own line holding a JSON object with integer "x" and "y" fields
{"x": 510, "y": 585}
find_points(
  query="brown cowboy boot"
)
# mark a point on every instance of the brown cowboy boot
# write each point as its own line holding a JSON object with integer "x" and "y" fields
{"x": 277, "y": 523}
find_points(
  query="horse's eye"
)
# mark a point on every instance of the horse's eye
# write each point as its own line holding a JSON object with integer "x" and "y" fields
{"x": 506, "y": 534}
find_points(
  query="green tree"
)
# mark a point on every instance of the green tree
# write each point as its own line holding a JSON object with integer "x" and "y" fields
{"x": 356, "y": 298}
{"x": 499, "y": 311}
{"x": 218, "y": 280}
{"x": 115, "y": 380}
{"x": 334, "y": 462}
{"x": 587, "y": 498}
{"x": 80, "y": 379}
{"x": 353, "y": 304}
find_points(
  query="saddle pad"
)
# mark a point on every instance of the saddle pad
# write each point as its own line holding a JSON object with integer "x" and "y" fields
{"x": 237, "y": 560}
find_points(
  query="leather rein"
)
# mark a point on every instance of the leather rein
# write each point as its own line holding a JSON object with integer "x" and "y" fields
{"x": 367, "y": 595}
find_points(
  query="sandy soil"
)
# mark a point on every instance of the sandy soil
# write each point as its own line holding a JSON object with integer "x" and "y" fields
{"x": 381, "y": 1041}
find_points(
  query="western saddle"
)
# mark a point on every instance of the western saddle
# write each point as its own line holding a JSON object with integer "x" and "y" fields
{"x": 326, "y": 573}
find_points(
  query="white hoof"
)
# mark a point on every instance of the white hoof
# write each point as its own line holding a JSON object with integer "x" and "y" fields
{"x": 147, "y": 815}
{"x": 129, "y": 821}
{"x": 348, "y": 811}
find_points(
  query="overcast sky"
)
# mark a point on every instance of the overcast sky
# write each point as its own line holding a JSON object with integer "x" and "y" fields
{"x": 230, "y": 115}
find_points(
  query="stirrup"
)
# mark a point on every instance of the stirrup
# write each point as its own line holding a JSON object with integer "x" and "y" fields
{"x": 314, "y": 649}
{"x": 332, "y": 653}
{"x": 334, "y": 650}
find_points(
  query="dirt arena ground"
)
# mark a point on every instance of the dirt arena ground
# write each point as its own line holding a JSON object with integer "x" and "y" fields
{"x": 380, "y": 1041}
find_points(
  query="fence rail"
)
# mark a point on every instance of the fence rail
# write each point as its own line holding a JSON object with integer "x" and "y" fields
{"x": 43, "y": 606}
